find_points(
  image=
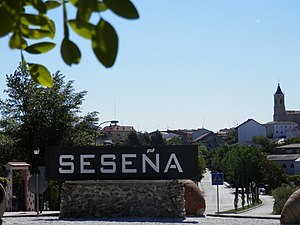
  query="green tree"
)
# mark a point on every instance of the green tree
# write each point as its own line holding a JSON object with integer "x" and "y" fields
{"x": 202, "y": 151}
{"x": 8, "y": 150}
{"x": 292, "y": 141}
{"x": 281, "y": 195}
{"x": 246, "y": 168}
{"x": 27, "y": 22}
{"x": 133, "y": 139}
{"x": 156, "y": 138}
{"x": 294, "y": 179}
{"x": 215, "y": 156}
{"x": 138, "y": 139}
{"x": 273, "y": 175}
{"x": 36, "y": 116}
{"x": 267, "y": 144}
{"x": 174, "y": 141}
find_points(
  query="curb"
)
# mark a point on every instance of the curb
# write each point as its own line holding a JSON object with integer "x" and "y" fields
{"x": 273, "y": 217}
{"x": 30, "y": 214}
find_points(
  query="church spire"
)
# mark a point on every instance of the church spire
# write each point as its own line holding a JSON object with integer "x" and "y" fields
{"x": 279, "y": 107}
{"x": 278, "y": 91}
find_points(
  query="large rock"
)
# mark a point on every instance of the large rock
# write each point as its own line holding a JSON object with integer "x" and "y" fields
{"x": 116, "y": 198}
{"x": 194, "y": 199}
{"x": 291, "y": 210}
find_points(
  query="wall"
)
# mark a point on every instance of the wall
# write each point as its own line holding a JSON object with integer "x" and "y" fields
{"x": 109, "y": 198}
{"x": 250, "y": 129}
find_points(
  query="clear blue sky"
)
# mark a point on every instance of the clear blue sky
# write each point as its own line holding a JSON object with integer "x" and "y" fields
{"x": 188, "y": 64}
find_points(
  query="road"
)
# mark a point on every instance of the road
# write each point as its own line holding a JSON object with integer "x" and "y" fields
{"x": 135, "y": 221}
{"x": 226, "y": 199}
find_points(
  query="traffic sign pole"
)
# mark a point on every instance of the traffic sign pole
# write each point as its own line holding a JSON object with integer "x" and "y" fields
{"x": 37, "y": 196}
{"x": 217, "y": 179}
{"x": 218, "y": 200}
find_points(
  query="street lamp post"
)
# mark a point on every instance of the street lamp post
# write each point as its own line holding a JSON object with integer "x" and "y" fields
{"x": 36, "y": 153}
{"x": 97, "y": 127}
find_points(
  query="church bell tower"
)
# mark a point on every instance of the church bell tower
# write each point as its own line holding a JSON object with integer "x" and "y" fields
{"x": 279, "y": 107}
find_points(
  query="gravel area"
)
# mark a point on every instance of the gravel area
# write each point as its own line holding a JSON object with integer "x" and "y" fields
{"x": 137, "y": 221}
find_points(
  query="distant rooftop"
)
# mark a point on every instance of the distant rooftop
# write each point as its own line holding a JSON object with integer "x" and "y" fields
{"x": 281, "y": 122}
{"x": 290, "y": 146}
{"x": 287, "y": 157}
{"x": 292, "y": 112}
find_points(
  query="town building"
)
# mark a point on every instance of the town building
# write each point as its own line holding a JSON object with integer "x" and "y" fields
{"x": 280, "y": 113}
{"x": 185, "y": 135}
{"x": 117, "y": 133}
{"x": 290, "y": 163}
{"x": 293, "y": 133}
{"x": 249, "y": 129}
{"x": 210, "y": 140}
{"x": 199, "y": 132}
{"x": 280, "y": 129}
{"x": 288, "y": 149}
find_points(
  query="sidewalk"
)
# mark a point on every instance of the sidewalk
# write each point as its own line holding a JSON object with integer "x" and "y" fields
{"x": 30, "y": 214}
{"x": 236, "y": 215}
{"x": 56, "y": 213}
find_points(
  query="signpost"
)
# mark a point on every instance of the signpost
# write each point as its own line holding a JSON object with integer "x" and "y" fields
{"x": 217, "y": 179}
{"x": 122, "y": 162}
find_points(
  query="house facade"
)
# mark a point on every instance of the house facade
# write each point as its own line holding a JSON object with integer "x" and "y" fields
{"x": 249, "y": 129}
{"x": 288, "y": 149}
{"x": 279, "y": 129}
{"x": 210, "y": 140}
{"x": 117, "y": 133}
{"x": 290, "y": 163}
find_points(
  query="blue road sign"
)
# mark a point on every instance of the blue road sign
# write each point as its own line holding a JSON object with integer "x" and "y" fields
{"x": 217, "y": 178}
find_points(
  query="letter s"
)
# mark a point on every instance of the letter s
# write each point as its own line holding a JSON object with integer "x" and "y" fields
{"x": 69, "y": 164}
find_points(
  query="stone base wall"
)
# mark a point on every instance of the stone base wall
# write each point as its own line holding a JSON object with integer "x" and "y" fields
{"x": 122, "y": 199}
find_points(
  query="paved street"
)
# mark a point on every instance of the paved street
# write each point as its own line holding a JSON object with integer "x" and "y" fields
{"x": 137, "y": 221}
{"x": 227, "y": 197}
{"x": 210, "y": 195}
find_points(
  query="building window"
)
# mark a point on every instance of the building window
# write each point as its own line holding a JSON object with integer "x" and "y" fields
{"x": 283, "y": 166}
{"x": 292, "y": 166}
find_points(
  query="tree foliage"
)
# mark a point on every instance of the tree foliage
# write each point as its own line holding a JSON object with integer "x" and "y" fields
{"x": 26, "y": 23}
{"x": 294, "y": 179}
{"x": 281, "y": 195}
{"x": 292, "y": 141}
{"x": 267, "y": 144}
{"x": 202, "y": 152}
{"x": 246, "y": 168}
{"x": 8, "y": 150}
{"x": 37, "y": 117}
{"x": 142, "y": 139}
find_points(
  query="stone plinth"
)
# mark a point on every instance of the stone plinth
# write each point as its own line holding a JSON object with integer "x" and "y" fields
{"x": 109, "y": 198}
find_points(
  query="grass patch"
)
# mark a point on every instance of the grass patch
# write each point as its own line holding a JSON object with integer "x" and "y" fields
{"x": 246, "y": 207}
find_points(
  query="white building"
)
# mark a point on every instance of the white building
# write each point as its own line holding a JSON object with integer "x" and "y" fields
{"x": 249, "y": 129}
{"x": 293, "y": 133}
{"x": 279, "y": 130}
{"x": 290, "y": 163}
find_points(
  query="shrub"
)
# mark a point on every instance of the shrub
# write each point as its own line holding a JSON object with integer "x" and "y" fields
{"x": 281, "y": 195}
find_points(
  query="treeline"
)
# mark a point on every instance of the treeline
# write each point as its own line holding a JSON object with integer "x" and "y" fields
{"x": 247, "y": 169}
